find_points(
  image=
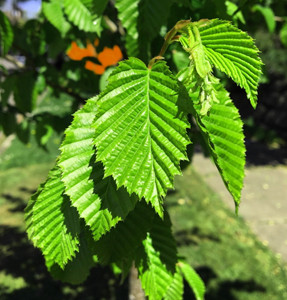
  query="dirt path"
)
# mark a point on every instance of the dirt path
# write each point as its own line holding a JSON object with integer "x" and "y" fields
{"x": 264, "y": 198}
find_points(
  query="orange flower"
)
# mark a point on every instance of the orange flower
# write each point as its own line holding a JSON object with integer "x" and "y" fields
{"x": 77, "y": 53}
{"x": 96, "y": 68}
{"x": 108, "y": 57}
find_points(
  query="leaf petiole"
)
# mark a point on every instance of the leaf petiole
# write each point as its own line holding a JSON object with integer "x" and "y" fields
{"x": 169, "y": 38}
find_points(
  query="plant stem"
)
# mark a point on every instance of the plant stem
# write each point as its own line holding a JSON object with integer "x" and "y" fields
{"x": 169, "y": 38}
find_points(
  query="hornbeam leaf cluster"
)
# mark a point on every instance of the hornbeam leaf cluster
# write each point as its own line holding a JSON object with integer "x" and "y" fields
{"x": 103, "y": 202}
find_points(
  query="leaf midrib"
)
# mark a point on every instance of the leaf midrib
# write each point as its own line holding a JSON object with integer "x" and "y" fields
{"x": 156, "y": 204}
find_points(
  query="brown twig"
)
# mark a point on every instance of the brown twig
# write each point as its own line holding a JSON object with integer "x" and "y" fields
{"x": 169, "y": 38}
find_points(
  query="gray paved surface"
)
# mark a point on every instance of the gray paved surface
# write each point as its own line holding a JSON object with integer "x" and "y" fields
{"x": 263, "y": 203}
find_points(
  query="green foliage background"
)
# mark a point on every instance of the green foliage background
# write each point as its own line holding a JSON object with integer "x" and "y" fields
{"x": 47, "y": 72}
{"x": 45, "y": 87}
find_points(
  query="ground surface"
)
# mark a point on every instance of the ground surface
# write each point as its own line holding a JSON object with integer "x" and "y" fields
{"x": 234, "y": 264}
{"x": 264, "y": 196}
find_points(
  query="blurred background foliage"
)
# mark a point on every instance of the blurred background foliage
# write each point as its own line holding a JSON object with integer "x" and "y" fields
{"x": 51, "y": 61}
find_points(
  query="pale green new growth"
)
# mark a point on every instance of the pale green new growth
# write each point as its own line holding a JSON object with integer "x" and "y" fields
{"x": 140, "y": 132}
{"x": 222, "y": 130}
{"x": 190, "y": 39}
{"x": 233, "y": 52}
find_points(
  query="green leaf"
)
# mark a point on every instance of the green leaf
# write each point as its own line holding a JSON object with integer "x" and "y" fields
{"x": 191, "y": 42}
{"x": 152, "y": 16}
{"x": 149, "y": 20}
{"x": 140, "y": 133}
{"x": 195, "y": 4}
{"x": 142, "y": 23}
{"x": 25, "y": 92}
{"x": 157, "y": 264}
{"x": 58, "y": 106}
{"x": 31, "y": 36}
{"x": 80, "y": 16}
{"x": 6, "y": 34}
{"x": 96, "y": 7}
{"x": 233, "y": 52}
{"x": 77, "y": 270}
{"x": 53, "y": 11}
{"x": 180, "y": 59}
{"x": 128, "y": 14}
{"x": 23, "y": 131}
{"x": 8, "y": 122}
{"x": 175, "y": 290}
{"x": 52, "y": 224}
{"x": 233, "y": 8}
{"x": 98, "y": 201}
{"x": 154, "y": 277}
{"x": 193, "y": 279}
{"x": 283, "y": 34}
{"x": 100, "y": 6}
{"x": 121, "y": 242}
{"x": 268, "y": 15}
{"x": 44, "y": 132}
{"x": 163, "y": 241}
{"x": 222, "y": 131}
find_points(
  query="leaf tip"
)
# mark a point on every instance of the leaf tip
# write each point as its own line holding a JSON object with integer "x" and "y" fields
{"x": 253, "y": 101}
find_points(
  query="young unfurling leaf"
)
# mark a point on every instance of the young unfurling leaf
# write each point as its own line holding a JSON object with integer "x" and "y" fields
{"x": 191, "y": 41}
